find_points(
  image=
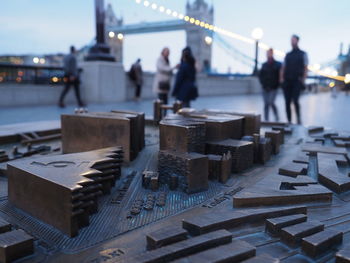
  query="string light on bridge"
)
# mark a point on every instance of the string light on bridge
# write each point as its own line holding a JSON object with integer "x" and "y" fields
{"x": 347, "y": 79}
{"x": 236, "y": 36}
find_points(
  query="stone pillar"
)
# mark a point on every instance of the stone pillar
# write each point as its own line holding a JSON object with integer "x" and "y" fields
{"x": 103, "y": 82}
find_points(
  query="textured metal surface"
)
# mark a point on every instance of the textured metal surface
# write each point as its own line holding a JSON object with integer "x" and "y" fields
{"x": 111, "y": 220}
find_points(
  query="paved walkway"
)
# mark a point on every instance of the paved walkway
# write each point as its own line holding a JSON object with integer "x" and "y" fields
{"x": 317, "y": 109}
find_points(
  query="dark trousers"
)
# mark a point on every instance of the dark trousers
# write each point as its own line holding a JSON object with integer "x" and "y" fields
{"x": 163, "y": 97}
{"x": 138, "y": 91}
{"x": 269, "y": 101}
{"x": 291, "y": 90}
{"x": 75, "y": 84}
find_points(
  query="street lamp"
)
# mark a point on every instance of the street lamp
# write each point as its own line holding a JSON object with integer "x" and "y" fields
{"x": 257, "y": 34}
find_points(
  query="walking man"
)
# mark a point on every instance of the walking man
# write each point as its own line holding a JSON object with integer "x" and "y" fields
{"x": 136, "y": 76}
{"x": 71, "y": 75}
{"x": 269, "y": 77}
{"x": 293, "y": 75}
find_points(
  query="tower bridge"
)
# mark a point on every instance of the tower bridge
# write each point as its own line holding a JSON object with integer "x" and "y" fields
{"x": 195, "y": 36}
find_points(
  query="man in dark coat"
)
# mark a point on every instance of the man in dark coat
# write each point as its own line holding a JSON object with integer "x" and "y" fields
{"x": 293, "y": 75}
{"x": 136, "y": 75}
{"x": 269, "y": 77}
{"x": 71, "y": 75}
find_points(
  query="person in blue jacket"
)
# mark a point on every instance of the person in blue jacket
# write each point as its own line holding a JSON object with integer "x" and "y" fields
{"x": 185, "y": 89}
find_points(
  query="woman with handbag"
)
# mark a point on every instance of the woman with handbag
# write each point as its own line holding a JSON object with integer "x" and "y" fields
{"x": 185, "y": 88}
{"x": 163, "y": 76}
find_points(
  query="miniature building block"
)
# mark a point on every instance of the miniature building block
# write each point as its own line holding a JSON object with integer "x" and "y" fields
{"x": 274, "y": 225}
{"x": 281, "y": 190}
{"x": 293, "y": 169}
{"x": 137, "y": 122}
{"x": 209, "y": 222}
{"x": 314, "y": 129}
{"x": 320, "y": 242}
{"x": 150, "y": 180}
{"x": 159, "y": 109}
{"x": 91, "y": 131}
{"x": 263, "y": 258}
{"x": 220, "y": 167}
{"x": 165, "y": 236}
{"x": 262, "y": 148}
{"x": 4, "y": 226}
{"x": 14, "y": 245}
{"x": 343, "y": 256}
{"x": 182, "y": 135}
{"x": 192, "y": 169}
{"x": 292, "y": 235}
{"x": 251, "y": 121}
{"x": 62, "y": 190}
{"x": 174, "y": 182}
{"x": 242, "y": 152}
{"x": 323, "y": 149}
{"x": 276, "y": 140}
{"x": 183, "y": 248}
{"x": 265, "y": 150}
{"x": 219, "y": 125}
{"x": 236, "y": 251}
{"x": 329, "y": 174}
{"x": 154, "y": 182}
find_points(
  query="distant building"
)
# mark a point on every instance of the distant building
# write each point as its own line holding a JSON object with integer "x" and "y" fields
{"x": 345, "y": 63}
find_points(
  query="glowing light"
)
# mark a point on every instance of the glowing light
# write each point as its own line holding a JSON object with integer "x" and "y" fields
{"x": 327, "y": 71}
{"x": 42, "y": 61}
{"x": 18, "y": 79}
{"x": 36, "y": 60}
{"x": 257, "y": 33}
{"x": 120, "y": 36}
{"x": 332, "y": 84}
{"x": 334, "y": 73}
{"x": 111, "y": 34}
{"x": 316, "y": 66}
{"x": 54, "y": 79}
{"x": 347, "y": 79}
{"x": 208, "y": 40}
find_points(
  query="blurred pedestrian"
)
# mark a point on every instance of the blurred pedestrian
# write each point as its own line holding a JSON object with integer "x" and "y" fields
{"x": 293, "y": 76}
{"x": 71, "y": 76}
{"x": 185, "y": 88}
{"x": 269, "y": 77}
{"x": 136, "y": 76}
{"x": 163, "y": 76}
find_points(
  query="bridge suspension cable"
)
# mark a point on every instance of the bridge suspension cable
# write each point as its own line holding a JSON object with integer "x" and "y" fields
{"x": 162, "y": 9}
{"x": 232, "y": 51}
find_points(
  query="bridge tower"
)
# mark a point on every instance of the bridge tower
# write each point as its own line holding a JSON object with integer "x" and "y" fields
{"x": 195, "y": 35}
{"x": 116, "y": 45}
